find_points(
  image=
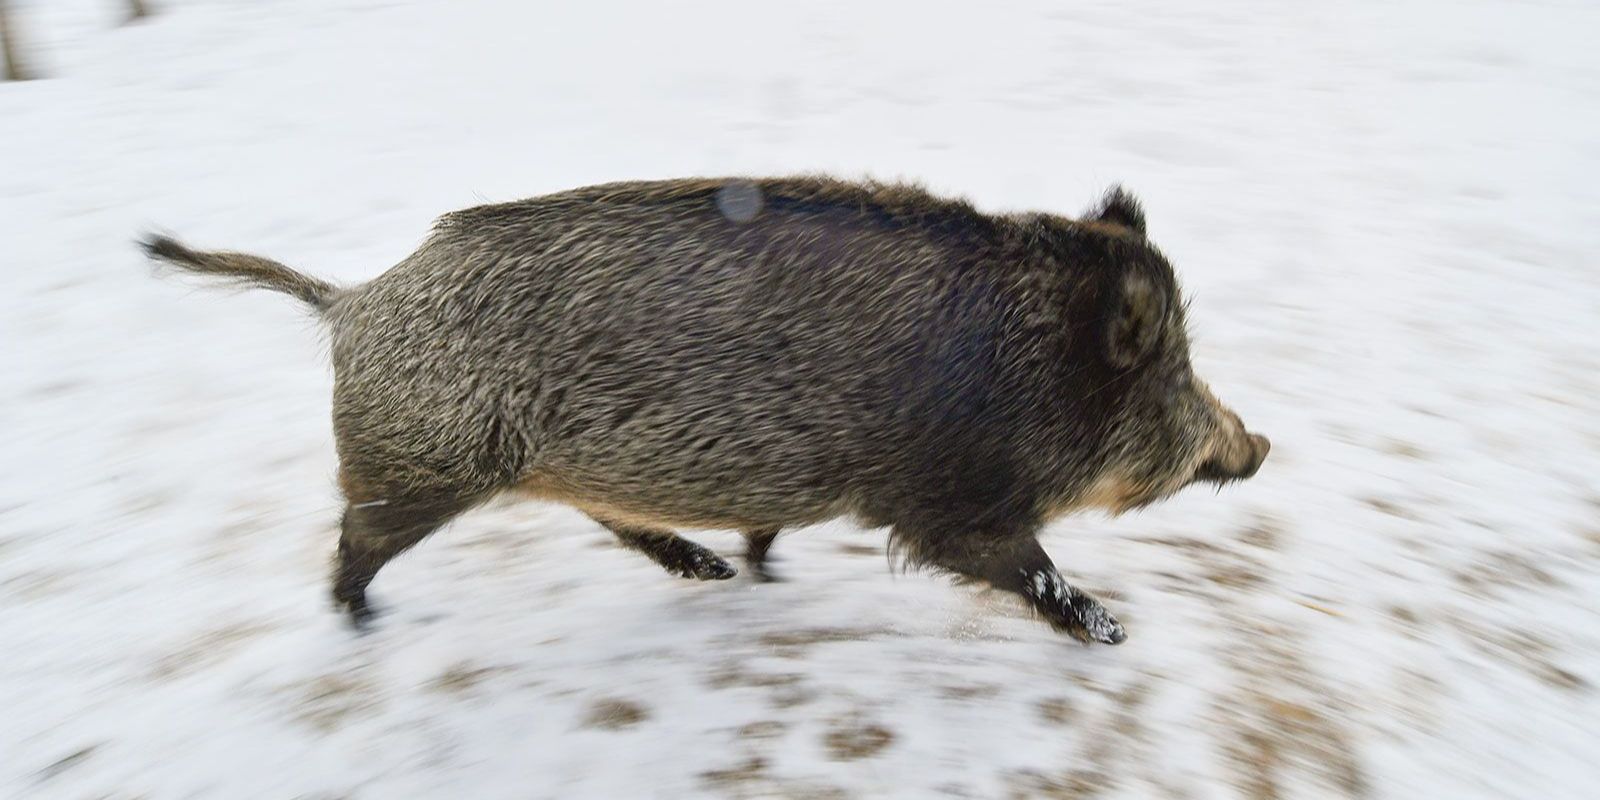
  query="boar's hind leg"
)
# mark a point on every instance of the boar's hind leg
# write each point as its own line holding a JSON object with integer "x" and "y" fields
{"x": 377, "y": 531}
{"x": 674, "y": 553}
{"x": 1023, "y": 567}
{"x": 756, "y": 544}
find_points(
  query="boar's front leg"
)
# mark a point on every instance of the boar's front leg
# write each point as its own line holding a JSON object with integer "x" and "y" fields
{"x": 674, "y": 553}
{"x": 1020, "y": 565}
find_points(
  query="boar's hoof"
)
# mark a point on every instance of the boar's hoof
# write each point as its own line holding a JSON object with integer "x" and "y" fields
{"x": 698, "y": 563}
{"x": 712, "y": 569}
{"x": 360, "y": 615}
{"x": 1070, "y": 610}
{"x": 677, "y": 555}
{"x": 1090, "y": 623}
{"x": 356, "y": 610}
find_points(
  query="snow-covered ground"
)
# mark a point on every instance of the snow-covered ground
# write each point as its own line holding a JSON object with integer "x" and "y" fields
{"x": 1387, "y": 214}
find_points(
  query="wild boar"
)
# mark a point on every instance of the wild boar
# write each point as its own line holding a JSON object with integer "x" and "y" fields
{"x": 762, "y": 354}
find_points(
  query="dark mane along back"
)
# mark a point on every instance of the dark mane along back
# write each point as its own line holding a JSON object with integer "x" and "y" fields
{"x": 891, "y": 205}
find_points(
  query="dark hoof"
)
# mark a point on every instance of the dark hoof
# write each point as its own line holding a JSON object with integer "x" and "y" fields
{"x": 361, "y": 617}
{"x": 1113, "y": 636}
{"x": 1090, "y": 623}
{"x": 703, "y": 566}
{"x": 357, "y": 611}
{"x": 718, "y": 570}
{"x": 1072, "y": 611}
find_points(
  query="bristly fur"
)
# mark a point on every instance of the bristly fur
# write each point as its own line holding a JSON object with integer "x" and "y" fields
{"x": 760, "y": 354}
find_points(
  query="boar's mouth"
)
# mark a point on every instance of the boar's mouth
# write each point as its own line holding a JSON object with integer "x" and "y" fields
{"x": 1214, "y": 472}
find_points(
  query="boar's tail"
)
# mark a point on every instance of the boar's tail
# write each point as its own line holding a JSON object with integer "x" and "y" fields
{"x": 247, "y": 269}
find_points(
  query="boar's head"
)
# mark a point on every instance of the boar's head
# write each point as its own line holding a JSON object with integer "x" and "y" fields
{"x": 1161, "y": 427}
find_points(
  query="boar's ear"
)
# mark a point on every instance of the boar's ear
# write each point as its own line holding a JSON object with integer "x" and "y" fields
{"x": 1136, "y": 321}
{"x": 1120, "y": 207}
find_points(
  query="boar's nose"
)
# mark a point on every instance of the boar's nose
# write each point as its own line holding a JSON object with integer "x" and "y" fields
{"x": 1259, "y": 446}
{"x": 1237, "y": 465}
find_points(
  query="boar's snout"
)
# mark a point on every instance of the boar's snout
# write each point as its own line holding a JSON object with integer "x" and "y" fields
{"x": 1241, "y": 459}
{"x": 1259, "y": 447}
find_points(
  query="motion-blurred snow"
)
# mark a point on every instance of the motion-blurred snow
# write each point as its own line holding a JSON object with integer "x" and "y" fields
{"x": 1385, "y": 213}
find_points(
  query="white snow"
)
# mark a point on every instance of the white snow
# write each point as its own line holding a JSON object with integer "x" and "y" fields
{"x": 1385, "y": 213}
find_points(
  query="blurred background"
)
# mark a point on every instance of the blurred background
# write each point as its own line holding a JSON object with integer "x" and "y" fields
{"x": 1384, "y": 212}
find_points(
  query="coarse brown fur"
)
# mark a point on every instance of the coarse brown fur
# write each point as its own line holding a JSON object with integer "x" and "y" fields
{"x": 760, "y": 354}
